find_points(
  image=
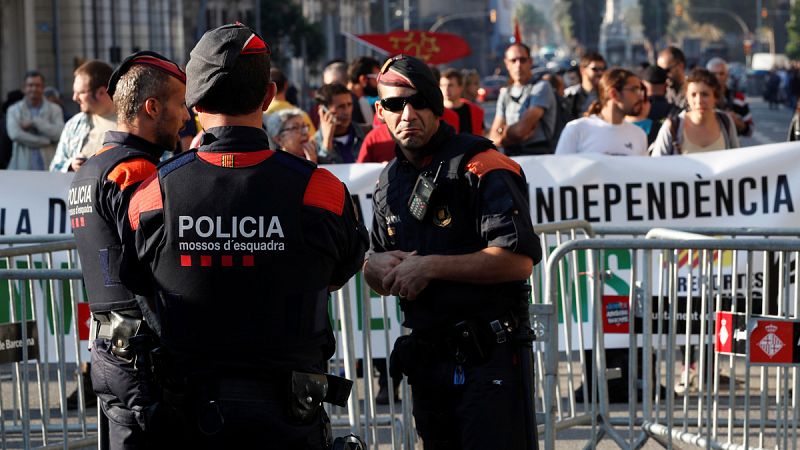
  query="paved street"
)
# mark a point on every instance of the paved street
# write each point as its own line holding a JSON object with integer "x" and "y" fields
{"x": 772, "y": 125}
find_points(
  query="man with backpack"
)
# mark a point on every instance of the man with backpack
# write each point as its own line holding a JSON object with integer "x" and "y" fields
{"x": 524, "y": 123}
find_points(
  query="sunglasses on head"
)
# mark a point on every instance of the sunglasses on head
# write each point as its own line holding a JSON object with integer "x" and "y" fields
{"x": 397, "y": 104}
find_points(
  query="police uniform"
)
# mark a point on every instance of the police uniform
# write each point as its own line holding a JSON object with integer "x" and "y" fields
{"x": 462, "y": 357}
{"x": 98, "y": 197}
{"x": 243, "y": 243}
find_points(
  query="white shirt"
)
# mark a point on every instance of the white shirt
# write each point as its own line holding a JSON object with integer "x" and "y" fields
{"x": 594, "y": 135}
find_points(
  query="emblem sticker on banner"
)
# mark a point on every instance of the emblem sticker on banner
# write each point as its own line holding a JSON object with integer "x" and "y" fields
{"x": 774, "y": 342}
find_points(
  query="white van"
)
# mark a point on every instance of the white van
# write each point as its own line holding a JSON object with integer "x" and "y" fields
{"x": 768, "y": 61}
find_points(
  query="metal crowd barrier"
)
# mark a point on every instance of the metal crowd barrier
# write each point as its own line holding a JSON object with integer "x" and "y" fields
{"x": 391, "y": 425}
{"x": 717, "y": 275}
{"x": 572, "y": 279}
{"x": 40, "y": 285}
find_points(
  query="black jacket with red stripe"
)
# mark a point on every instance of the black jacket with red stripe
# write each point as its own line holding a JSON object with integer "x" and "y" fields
{"x": 480, "y": 201}
{"x": 97, "y": 206}
{"x": 243, "y": 243}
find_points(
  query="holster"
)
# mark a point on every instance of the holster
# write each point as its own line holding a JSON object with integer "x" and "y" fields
{"x": 126, "y": 330}
{"x": 123, "y": 329}
{"x": 406, "y": 357}
{"x": 309, "y": 390}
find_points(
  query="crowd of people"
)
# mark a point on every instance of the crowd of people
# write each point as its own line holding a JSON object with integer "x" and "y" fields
{"x": 538, "y": 112}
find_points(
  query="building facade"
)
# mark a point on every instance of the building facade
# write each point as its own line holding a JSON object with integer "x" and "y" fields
{"x": 55, "y": 36}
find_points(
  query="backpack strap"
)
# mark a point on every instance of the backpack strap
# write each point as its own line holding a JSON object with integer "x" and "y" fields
{"x": 725, "y": 123}
{"x": 674, "y": 125}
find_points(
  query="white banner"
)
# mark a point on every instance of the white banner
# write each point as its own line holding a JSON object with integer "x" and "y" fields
{"x": 753, "y": 186}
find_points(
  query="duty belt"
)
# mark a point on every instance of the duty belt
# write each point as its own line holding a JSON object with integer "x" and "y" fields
{"x": 499, "y": 329}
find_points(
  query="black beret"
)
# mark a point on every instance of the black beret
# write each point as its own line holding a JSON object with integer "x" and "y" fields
{"x": 654, "y": 74}
{"x": 407, "y": 71}
{"x": 215, "y": 55}
{"x": 145, "y": 58}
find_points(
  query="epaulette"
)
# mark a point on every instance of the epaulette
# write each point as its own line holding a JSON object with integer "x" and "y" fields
{"x": 325, "y": 191}
{"x": 177, "y": 161}
{"x": 300, "y": 165}
{"x": 490, "y": 160}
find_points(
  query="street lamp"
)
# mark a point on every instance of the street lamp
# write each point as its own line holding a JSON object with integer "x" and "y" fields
{"x": 465, "y": 15}
{"x": 737, "y": 18}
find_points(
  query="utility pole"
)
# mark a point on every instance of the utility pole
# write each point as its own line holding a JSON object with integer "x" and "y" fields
{"x": 759, "y": 7}
{"x": 407, "y": 15}
{"x": 386, "y": 19}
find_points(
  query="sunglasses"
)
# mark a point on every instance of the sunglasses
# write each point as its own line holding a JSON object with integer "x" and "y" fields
{"x": 397, "y": 104}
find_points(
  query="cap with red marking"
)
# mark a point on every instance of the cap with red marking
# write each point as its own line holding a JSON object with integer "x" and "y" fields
{"x": 145, "y": 58}
{"x": 215, "y": 55}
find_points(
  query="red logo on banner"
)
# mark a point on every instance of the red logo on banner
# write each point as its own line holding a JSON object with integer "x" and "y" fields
{"x": 724, "y": 332}
{"x": 615, "y": 314}
{"x": 433, "y": 48}
{"x": 771, "y": 342}
{"x": 84, "y": 320}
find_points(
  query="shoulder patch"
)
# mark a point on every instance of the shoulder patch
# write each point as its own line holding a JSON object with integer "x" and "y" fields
{"x": 147, "y": 197}
{"x": 325, "y": 191}
{"x": 176, "y": 162}
{"x": 489, "y": 160}
{"x": 131, "y": 171}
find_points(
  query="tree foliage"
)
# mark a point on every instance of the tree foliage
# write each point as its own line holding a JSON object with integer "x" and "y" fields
{"x": 283, "y": 25}
{"x": 563, "y": 21}
{"x": 587, "y": 16}
{"x": 793, "y": 27}
{"x": 655, "y": 18}
{"x": 531, "y": 20}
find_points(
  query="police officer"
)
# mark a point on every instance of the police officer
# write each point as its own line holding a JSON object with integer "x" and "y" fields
{"x": 148, "y": 92}
{"x": 452, "y": 237}
{"x": 244, "y": 244}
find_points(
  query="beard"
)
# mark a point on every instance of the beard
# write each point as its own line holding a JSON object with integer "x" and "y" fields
{"x": 166, "y": 139}
{"x": 635, "y": 110}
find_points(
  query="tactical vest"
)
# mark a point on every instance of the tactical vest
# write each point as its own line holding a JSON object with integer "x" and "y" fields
{"x": 96, "y": 230}
{"x": 451, "y": 227}
{"x": 243, "y": 268}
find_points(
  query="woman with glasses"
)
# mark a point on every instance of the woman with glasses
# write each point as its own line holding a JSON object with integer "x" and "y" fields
{"x": 289, "y": 131}
{"x": 701, "y": 128}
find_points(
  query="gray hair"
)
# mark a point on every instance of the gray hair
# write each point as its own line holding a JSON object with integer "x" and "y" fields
{"x": 134, "y": 88}
{"x": 335, "y": 72}
{"x": 277, "y": 120}
{"x": 716, "y": 61}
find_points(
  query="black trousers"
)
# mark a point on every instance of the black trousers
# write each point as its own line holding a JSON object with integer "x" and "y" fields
{"x": 485, "y": 412}
{"x": 126, "y": 394}
{"x": 240, "y": 413}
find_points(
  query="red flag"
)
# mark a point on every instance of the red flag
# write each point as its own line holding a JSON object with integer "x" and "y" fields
{"x": 433, "y": 48}
{"x": 517, "y": 33}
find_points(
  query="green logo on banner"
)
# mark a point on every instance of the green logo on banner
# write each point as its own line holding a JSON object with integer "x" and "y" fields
{"x": 20, "y": 290}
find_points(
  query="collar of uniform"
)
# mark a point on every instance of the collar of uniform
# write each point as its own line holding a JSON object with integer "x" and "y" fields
{"x": 234, "y": 139}
{"x": 435, "y": 144}
{"x": 122, "y": 139}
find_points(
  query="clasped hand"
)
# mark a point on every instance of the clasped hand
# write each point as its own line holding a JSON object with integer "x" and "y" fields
{"x": 404, "y": 274}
